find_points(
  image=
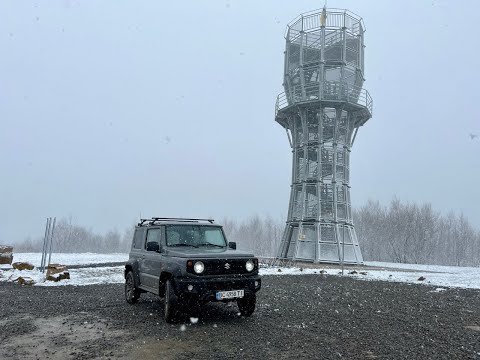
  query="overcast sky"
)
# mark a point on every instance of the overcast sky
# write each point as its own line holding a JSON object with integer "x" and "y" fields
{"x": 109, "y": 109}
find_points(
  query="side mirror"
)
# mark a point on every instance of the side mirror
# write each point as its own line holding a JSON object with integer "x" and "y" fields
{"x": 153, "y": 246}
{"x": 232, "y": 245}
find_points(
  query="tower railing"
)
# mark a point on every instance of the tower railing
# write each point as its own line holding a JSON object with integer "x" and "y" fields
{"x": 332, "y": 91}
{"x": 336, "y": 18}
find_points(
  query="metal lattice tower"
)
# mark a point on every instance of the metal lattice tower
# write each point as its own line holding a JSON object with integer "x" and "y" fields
{"x": 321, "y": 109}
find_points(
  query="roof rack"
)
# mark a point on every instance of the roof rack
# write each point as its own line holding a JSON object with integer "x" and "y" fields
{"x": 154, "y": 220}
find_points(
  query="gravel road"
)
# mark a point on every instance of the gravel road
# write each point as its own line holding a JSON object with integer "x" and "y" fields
{"x": 302, "y": 317}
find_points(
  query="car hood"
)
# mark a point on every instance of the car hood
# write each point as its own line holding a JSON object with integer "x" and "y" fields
{"x": 207, "y": 253}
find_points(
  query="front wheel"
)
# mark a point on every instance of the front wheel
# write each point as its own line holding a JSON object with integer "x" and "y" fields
{"x": 246, "y": 305}
{"x": 131, "y": 293}
{"x": 170, "y": 302}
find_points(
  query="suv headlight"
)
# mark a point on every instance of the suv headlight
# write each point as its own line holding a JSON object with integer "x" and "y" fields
{"x": 198, "y": 267}
{"x": 249, "y": 265}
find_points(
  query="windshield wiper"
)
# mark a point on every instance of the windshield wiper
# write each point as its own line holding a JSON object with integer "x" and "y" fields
{"x": 210, "y": 244}
{"x": 190, "y": 245}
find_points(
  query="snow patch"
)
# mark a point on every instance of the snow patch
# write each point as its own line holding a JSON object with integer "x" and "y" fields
{"x": 70, "y": 259}
{"x": 445, "y": 276}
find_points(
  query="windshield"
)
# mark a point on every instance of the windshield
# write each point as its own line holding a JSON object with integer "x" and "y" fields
{"x": 195, "y": 236}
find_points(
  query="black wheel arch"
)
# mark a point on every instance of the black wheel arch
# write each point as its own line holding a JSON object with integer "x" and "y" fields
{"x": 132, "y": 267}
{"x": 164, "y": 276}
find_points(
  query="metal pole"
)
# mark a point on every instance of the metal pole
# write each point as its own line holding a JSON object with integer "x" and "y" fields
{"x": 51, "y": 240}
{"x": 321, "y": 78}
{"x": 289, "y": 138}
{"x": 44, "y": 242}
{"x": 45, "y": 251}
{"x": 354, "y": 136}
{"x": 338, "y": 115}
{"x": 343, "y": 249}
{"x": 302, "y": 73}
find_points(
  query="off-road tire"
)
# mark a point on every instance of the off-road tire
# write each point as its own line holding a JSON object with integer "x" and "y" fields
{"x": 132, "y": 294}
{"x": 170, "y": 302}
{"x": 246, "y": 305}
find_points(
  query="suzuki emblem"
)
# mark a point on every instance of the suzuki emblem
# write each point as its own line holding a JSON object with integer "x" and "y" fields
{"x": 227, "y": 266}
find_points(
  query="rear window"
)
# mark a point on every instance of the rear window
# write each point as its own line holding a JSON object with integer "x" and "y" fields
{"x": 138, "y": 238}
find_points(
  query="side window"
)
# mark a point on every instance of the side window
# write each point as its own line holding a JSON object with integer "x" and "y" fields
{"x": 138, "y": 238}
{"x": 153, "y": 235}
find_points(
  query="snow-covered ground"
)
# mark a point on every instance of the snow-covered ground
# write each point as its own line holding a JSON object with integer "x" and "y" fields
{"x": 435, "y": 275}
{"x": 450, "y": 276}
{"x": 70, "y": 259}
{"x": 441, "y": 276}
{"x": 82, "y": 276}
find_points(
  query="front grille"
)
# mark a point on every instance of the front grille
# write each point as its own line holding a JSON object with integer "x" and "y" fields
{"x": 224, "y": 267}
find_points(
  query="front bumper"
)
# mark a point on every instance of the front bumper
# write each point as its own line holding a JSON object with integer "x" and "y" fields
{"x": 205, "y": 289}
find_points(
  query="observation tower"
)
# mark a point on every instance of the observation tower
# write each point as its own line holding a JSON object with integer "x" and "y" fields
{"x": 321, "y": 110}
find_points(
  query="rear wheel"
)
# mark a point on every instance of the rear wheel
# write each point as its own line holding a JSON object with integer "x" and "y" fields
{"x": 170, "y": 302}
{"x": 132, "y": 294}
{"x": 246, "y": 305}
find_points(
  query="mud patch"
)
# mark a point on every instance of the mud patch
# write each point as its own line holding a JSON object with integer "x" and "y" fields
{"x": 164, "y": 349}
{"x": 62, "y": 337}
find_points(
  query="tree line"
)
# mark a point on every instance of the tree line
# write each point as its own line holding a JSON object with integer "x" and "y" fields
{"x": 258, "y": 234}
{"x": 73, "y": 238}
{"x": 397, "y": 232}
{"x": 416, "y": 234}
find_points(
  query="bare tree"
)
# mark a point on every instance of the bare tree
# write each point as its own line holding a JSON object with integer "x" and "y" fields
{"x": 410, "y": 233}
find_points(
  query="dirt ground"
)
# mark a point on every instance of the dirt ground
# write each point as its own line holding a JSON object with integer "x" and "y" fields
{"x": 303, "y": 317}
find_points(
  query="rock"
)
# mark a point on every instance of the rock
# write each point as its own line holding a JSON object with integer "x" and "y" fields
{"x": 323, "y": 271}
{"x": 353, "y": 272}
{"x": 370, "y": 355}
{"x": 24, "y": 280}
{"x": 57, "y": 272}
{"x": 421, "y": 278}
{"x": 279, "y": 270}
{"x": 363, "y": 273}
{"x": 23, "y": 266}
{"x": 60, "y": 276}
{"x": 6, "y": 249}
{"x": 6, "y": 258}
{"x": 55, "y": 268}
{"x": 472, "y": 327}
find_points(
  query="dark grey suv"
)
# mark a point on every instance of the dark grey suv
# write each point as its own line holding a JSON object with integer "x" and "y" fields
{"x": 188, "y": 261}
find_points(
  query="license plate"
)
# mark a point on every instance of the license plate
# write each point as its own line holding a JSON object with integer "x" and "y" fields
{"x": 229, "y": 294}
